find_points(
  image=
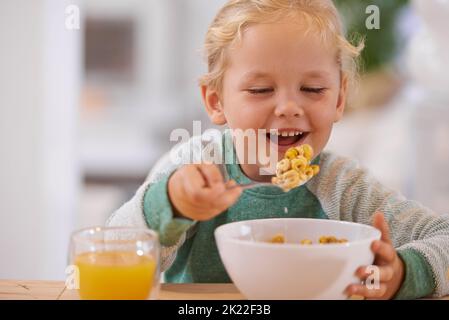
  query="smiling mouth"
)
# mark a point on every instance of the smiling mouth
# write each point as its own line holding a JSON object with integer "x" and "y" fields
{"x": 286, "y": 138}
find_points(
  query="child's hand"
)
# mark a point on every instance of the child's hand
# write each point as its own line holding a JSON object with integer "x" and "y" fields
{"x": 198, "y": 191}
{"x": 389, "y": 264}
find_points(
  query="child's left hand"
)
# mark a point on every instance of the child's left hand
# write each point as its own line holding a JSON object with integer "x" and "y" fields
{"x": 389, "y": 264}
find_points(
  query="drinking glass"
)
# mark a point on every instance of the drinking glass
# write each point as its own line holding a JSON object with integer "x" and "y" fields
{"x": 116, "y": 263}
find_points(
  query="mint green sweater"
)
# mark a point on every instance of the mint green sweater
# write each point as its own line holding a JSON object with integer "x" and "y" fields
{"x": 341, "y": 191}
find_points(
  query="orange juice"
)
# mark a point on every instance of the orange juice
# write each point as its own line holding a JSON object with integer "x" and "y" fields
{"x": 111, "y": 275}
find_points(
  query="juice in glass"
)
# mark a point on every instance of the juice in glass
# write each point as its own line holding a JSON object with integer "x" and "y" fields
{"x": 116, "y": 263}
{"x": 115, "y": 275}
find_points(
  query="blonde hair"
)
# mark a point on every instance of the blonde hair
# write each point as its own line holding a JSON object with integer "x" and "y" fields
{"x": 235, "y": 16}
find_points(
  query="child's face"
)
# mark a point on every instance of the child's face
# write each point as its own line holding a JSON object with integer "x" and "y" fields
{"x": 277, "y": 78}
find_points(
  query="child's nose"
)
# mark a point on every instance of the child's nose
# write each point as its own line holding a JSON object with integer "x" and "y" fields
{"x": 289, "y": 109}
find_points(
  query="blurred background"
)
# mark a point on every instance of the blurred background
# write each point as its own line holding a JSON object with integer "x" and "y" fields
{"x": 86, "y": 110}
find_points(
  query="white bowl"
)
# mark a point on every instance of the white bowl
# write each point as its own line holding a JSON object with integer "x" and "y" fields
{"x": 263, "y": 270}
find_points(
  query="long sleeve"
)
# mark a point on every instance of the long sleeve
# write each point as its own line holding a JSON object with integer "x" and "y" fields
{"x": 420, "y": 236}
{"x": 150, "y": 207}
{"x": 158, "y": 212}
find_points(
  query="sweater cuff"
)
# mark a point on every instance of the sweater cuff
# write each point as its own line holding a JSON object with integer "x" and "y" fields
{"x": 158, "y": 212}
{"x": 418, "y": 278}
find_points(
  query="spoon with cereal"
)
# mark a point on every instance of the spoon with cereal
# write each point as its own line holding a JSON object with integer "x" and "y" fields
{"x": 292, "y": 171}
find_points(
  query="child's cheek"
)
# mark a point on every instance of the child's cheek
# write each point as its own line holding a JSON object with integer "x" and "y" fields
{"x": 322, "y": 120}
{"x": 247, "y": 116}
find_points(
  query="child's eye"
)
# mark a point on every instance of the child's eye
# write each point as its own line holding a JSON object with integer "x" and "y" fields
{"x": 313, "y": 90}
{"x": 260, "y": 90}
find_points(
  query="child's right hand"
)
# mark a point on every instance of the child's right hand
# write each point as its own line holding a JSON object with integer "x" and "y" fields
{"x": 199, "y": 192}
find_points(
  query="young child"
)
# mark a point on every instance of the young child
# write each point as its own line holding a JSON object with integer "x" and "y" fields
{"x": 284, "y": 66}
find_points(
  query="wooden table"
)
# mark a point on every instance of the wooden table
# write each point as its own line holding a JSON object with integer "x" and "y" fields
{"x": 55, "y": 290}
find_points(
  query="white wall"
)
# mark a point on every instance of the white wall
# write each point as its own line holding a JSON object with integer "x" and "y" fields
{"x": 39, "y": 83}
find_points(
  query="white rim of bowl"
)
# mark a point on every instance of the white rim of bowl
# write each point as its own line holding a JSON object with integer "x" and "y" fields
{"x": 298, "y": 245}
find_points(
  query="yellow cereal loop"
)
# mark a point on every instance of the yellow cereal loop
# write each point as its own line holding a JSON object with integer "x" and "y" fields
{"x": 279, "y": 173}
{"x": 315, "y": 168}
{"x": 299, "y": 164}
{"x": 291, "y": 179}
{"x": 279, "y": 238}
{"x": 308, "y": 152}
{"x": 283, "y": 165}
{"x": 295, "y": 169}
{"x": 291, "y": 153}
{"x": 302, "y": 177}
{"x": 331, "y": 239}
{"x": 300, "y": 150}
{"x": 322, "y": 239}
{"x": 309, "y": 172}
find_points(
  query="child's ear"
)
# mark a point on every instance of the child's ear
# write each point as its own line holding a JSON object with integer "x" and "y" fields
{"x": 341, "y": 103}
{"x": 213, "y": 105}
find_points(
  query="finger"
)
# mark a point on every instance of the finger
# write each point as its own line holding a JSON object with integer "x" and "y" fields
{"x": 230, "y": 184}
{"x": 364, "y": 291}
{"x": 212, "y": 175}
{"x": 194, "y": 183}
{"x": 376, "y": 273}
{"x": 383, "y": 251}
{"x": 380, "y": 224}
{"x": 192, "y": 177}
